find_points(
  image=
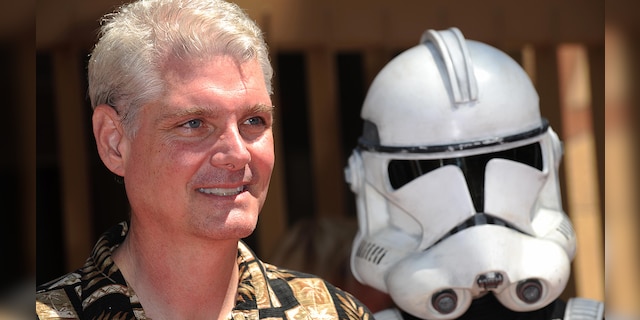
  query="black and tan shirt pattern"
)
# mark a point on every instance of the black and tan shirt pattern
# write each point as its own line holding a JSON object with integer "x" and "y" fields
{"x": 98, "y": 290}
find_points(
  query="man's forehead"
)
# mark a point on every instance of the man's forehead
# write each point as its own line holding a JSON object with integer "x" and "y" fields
{"x": 177, "y": 68}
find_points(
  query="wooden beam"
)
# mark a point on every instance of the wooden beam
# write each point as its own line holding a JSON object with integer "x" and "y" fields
{"x": 621, "y": 179}
{"x": 325, "y": 133}
{"x": 72, "y": 141}
{"x": 273, "y": 217}
{"x": 582, "y": 191}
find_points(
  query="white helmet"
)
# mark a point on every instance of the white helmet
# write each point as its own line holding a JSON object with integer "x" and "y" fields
{"x": 456, "y": 183}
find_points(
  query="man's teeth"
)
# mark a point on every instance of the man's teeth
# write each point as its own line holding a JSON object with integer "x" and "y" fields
{"x": 222, "y": 191}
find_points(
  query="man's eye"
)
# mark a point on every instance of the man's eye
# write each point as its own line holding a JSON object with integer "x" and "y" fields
{"x": 193, "y": 124}
{"x": 255, "y": 121}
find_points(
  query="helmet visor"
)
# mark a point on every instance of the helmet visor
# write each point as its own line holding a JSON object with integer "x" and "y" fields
{"x": 404, "y": 171}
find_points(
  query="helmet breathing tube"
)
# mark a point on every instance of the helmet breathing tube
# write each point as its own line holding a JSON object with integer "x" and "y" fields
{"x": 524, "y": 273}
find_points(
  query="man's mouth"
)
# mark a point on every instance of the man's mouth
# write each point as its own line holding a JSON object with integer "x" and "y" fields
{"x": 224, "y": 192}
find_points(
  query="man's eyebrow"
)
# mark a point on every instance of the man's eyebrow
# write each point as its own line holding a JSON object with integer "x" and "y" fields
{"x": 188, "y": 112}
{"x": 261, "y": 107}
{"x": 200, "y": 111}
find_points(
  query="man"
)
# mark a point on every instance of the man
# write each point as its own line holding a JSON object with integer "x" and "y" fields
{"x": 182, "y": 112}
{"x": 455, "y": 175}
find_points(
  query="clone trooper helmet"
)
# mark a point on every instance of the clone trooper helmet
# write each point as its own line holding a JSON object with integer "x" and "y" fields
{"x": 455, "y": 177}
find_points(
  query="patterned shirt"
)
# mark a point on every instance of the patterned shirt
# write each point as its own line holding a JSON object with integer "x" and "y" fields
{"x": 98, "y": 290}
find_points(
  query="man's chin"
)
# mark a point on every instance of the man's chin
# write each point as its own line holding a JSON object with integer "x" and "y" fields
{"x": 235, "y": 230}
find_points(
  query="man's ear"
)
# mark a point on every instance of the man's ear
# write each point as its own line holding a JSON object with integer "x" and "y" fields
{"x": 110, "y": 138}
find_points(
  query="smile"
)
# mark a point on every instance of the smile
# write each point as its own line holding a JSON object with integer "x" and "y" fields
{"x": 223, "y": 191}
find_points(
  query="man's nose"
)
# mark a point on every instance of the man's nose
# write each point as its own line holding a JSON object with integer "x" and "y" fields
{"x": 230, "y": 150}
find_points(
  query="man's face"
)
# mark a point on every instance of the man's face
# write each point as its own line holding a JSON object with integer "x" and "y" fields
{"x": 201, "y": 160}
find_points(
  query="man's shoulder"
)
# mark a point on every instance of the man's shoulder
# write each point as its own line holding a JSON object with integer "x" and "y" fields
{"x": 316, "y": 294}
{"x": 68, "y": 280}
{"x": 55, "y": 304}
{"x": 296, "y": 279}
{"x": 57, "y": 299}
{"x": 84, "y": 293}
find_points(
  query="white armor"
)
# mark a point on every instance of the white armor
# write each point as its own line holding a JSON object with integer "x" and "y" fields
{"x": 456, "y": 183}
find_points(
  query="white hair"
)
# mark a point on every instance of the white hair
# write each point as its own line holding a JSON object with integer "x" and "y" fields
{"x": 138, "y": 39}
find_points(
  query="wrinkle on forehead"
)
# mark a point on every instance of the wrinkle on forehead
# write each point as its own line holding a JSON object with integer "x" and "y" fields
{"x": 178, "y": 70}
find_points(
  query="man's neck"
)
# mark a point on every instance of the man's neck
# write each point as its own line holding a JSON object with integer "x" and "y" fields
{"x": 180, "y": 278}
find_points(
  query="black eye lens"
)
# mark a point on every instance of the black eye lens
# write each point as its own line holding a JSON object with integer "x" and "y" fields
{"x": 402, "y": 172}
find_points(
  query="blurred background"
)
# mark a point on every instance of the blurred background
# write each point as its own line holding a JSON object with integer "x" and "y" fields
{"x": 580, "y": 54}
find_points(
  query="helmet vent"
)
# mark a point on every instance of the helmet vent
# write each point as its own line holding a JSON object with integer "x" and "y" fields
{"x": 371, "y": 252}
{"x": 566, "y": 229}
